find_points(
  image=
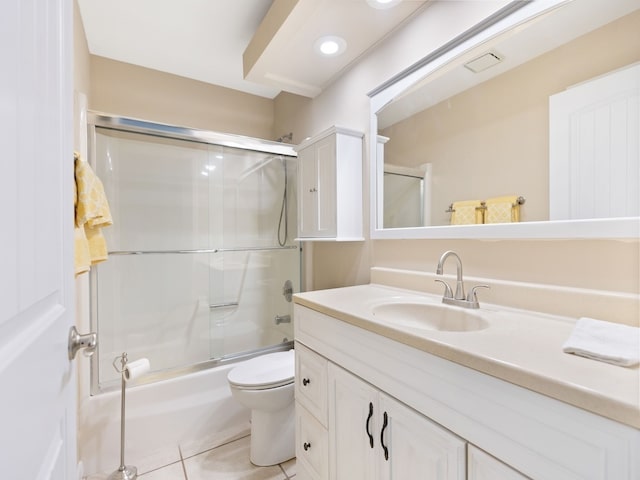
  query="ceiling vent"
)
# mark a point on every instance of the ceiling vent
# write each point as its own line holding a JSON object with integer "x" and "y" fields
{"x": 484, "y": 61}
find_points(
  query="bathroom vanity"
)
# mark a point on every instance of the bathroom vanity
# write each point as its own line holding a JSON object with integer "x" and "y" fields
{"x": 482, "y": 394}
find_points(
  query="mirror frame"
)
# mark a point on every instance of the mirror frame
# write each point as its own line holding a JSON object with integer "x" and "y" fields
{"x": 514, "y": 14}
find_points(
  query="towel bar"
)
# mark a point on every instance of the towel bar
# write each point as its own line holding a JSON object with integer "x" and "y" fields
{"x": 519, "y": 201}
{"x": 208, "y": 250}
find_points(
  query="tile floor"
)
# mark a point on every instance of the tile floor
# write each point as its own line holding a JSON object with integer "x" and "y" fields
{"x": 226, "y": 462}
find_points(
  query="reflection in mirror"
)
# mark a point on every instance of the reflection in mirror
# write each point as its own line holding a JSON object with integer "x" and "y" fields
{"x": 547, "y": 111}
{"x": 407, "y": 191}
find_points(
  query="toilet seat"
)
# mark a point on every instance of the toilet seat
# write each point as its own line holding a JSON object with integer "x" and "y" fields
{"x": 267, "y": 371}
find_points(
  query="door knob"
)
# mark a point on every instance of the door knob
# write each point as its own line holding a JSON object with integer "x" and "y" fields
{"x": 88, "y": 341}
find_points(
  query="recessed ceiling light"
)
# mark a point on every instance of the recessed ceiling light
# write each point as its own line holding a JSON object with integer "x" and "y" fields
{"x": 383, "y": 4}
{"x": 330, "y": 46}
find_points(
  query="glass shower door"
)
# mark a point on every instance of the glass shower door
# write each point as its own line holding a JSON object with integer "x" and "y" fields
{"x": 195, "y": 271}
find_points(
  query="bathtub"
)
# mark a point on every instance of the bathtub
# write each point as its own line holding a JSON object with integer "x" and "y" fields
{"x": 181, "y": 416}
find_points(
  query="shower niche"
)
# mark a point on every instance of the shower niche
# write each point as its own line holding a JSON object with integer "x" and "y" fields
{"x": 201, "y": 245}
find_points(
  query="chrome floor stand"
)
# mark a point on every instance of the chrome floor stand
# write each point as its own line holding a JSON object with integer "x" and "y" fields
{"x": 124, "y": 472}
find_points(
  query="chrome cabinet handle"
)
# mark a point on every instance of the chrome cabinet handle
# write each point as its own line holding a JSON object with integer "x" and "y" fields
{"x": 305, "y": 382}
{"x": 385, "y": 422}
{"x": 367, "y": 425}
{"x": 306, "y": 446}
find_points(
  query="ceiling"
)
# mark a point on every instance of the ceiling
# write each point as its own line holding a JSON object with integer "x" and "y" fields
{"x": 206, "y": 40}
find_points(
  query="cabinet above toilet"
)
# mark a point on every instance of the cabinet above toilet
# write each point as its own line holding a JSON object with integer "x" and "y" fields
{"x": 330, "y": 186}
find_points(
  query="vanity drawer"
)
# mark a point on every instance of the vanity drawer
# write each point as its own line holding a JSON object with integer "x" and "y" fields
{"x": 312, "y": 446}
{"x": 311, "y": 382}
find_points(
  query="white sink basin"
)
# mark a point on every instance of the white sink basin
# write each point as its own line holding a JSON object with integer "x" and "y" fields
{"x": 429, "y": 316}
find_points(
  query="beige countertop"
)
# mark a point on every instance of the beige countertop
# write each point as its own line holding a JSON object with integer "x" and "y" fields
{"x": 519, "y": 346}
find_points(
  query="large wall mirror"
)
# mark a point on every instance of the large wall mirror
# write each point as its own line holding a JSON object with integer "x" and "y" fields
{"x": 527, "y": 126}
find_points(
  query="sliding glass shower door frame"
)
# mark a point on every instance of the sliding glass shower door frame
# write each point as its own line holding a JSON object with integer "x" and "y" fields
{"x": 129, "y": 125}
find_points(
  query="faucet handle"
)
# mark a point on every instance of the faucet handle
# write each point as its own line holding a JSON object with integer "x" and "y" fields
{"x": 448, "y": 293}
{"x": 471, "y": 297}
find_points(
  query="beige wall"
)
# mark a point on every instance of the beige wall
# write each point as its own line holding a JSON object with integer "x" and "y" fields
{"x": 128, "y": 90}
{"x": 123, "y": 89}
{"x": 592, "y": 264}
{"x": 502, "y": 124}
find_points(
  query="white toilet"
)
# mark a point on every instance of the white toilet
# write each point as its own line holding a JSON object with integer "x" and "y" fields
{"x": 265, "y": 384}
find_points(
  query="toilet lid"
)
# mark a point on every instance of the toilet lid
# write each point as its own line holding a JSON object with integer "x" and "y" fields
{"x": 271, "y": 370}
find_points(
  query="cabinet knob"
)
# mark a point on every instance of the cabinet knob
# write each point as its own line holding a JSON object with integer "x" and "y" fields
{"x": 313, "y": 190}
{"x": 305, "y": 381}
{"x": 306, "y": 446}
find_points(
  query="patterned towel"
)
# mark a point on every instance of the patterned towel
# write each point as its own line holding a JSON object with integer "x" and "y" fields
{"x": 92, "y": 214}
{"x": 502, "y": 210}
{"x": 467, "y": 212}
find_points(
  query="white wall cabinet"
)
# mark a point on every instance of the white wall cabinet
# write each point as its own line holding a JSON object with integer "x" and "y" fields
{"x": 330, "y": 186}
{"x": 444, "y": 421}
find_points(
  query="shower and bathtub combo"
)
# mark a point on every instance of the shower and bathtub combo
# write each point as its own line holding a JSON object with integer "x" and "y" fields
{"x": 199, "y": 281}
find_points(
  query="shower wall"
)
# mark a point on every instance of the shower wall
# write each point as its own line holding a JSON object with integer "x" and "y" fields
{"x": 197, "y": 259}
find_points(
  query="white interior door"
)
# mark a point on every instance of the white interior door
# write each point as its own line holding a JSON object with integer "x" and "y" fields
{"x": 37, "y": 418}
{"x": 594, "y": 148}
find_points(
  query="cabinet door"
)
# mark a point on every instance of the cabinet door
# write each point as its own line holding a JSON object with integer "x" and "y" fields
{"x": 317, "y": 183}
{"x": 352, "y": 438}
{"x": 483, "y": 466}
{"x": 307, "y": 198}
{"x": 326, "y": 187}
{"x": 413, "y": 447}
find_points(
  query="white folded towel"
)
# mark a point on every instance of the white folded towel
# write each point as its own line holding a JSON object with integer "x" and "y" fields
{"x": 605, "y": 341}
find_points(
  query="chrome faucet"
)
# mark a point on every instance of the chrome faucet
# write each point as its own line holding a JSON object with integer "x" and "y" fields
{"x": 458, "y": 299}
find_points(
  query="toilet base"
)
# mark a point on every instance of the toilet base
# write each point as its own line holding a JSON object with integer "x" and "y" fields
{"x": 273, "y": 436}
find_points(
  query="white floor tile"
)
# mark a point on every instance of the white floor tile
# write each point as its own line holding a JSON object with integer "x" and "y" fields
{"x": 290, "y": 467}
{"x": 229, "y": 462}
{"x": 170, "y": 472}
{"x": 192, "y": 448}
{"x": 156, "y": 460}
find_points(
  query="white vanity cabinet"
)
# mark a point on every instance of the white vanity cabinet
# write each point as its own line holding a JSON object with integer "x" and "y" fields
{"x": 444, "y": 420}
{"x": 373, "y": 436}
{"x": 482, "y": 466}
{"x": 368, "y": 435}
{"x": 330, "y": 186}
{"x": 311, "y": 415}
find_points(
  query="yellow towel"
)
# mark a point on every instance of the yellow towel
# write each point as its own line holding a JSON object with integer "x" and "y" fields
{"x": 467, "y": 212}
{"x": 502, "y": 209}
{"x": 92, "y": 214}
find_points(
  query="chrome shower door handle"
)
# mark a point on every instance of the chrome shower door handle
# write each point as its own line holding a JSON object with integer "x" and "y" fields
{"x": 282, "y": 319}
{"x": 88, "y": 341}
